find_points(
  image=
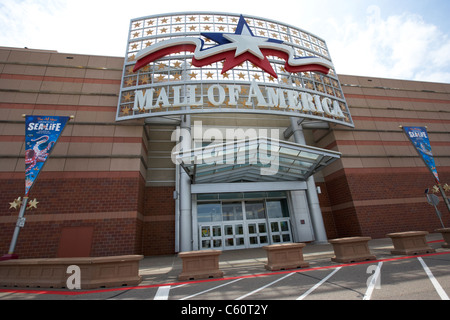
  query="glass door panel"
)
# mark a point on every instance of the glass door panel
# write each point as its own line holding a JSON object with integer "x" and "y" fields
{"x": 239, "y": 235}
{"x": 254, "y": 210}
{"x": 262, "y": 234}
{"x": 232, "y": 211}
{"x": 257, "y": 233}
{"x": 275, "y": 232}
{"x": 274, "y": 227}
{"x": 211, "y": 237}
{"x": 229, "y": 236}
{"x": 285, "y": 231}
{"x": 252, "y": 234}
{"x": 205, "y": 237}
{"x": 229, "y": 243}
{"x": 280, "y": 231}
{"x": 234, "y": 236}
{"x": 217, "y": 237}
{"x": 277, "y": 209}
{"x": 240, "y": 243}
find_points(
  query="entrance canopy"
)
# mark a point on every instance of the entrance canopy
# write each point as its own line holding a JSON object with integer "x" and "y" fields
{"x": 254, "y": 160}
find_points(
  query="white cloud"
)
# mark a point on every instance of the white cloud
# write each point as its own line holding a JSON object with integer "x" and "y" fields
{"x": 23, "y": 21}
{"x": 399, "y": 46}
{"x": 82, "y": 26}
{"x": 373, "y": 43}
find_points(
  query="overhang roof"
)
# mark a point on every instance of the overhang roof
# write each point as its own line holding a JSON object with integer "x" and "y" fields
{"x": 254, "y": 160}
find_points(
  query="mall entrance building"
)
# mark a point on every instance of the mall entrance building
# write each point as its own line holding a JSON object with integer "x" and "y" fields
{"x": 215, "y": 131}
{"x": 236, "y": 186}
{"x": 238, "y": 205}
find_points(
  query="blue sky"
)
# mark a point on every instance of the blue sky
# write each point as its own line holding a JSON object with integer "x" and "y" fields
{"x": 381, "y": 38}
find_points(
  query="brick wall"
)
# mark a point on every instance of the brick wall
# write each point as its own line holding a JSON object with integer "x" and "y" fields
{"x": 109, "y": 204}
{"x": 95, "y": 175}
{"x": 159, "y": 221}
{"x": 376, "y": 203}
{"x": 377, "y": 186}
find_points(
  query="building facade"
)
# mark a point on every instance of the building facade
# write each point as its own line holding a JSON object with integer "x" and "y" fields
{"x": 115, "y": 186}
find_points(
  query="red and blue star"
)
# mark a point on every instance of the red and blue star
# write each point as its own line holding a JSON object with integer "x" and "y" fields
{"x": 234, "y": 49}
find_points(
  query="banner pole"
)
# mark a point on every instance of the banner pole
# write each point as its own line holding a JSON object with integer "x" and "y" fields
{"x": 444, "y": 196}
{"x": 49, "y": 128}
{"x": 418, "y": 136}
{"x": 19, "y": 224}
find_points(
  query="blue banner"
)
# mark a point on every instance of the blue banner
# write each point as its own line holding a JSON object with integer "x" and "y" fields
{"x": 41, "y": 135}
{"x": 419, "y": 138}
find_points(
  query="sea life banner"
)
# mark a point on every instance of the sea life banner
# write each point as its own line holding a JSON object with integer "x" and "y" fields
{"x": 41, "y": 135}
{"x": 419, "y": 138}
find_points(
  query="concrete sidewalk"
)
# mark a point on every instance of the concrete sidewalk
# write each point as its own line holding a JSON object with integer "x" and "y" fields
{"x": 235, "y": 263}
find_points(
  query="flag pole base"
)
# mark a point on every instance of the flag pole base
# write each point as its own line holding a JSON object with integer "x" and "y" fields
{"x": 9, "y": 256}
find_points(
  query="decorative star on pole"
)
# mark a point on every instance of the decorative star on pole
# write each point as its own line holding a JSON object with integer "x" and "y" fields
{"x": 446, "y": 187}
{"x": 32, "y": 204}
{"x": 16, "y": 203}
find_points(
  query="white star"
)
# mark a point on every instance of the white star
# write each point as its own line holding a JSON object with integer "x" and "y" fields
{"x": 16, "y": 203}
{"x": 32, "y": 204}
{"x": 247, "y": 42}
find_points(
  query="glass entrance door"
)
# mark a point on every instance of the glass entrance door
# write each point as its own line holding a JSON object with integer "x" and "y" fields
{"x": 258, "y": 235}
{"x": 280, "y": 231}
{"x": 279, "y": 221}
{"x": 243, "y": 224}
{"x": 234, "y": 236}
{"x": 257, "y": 231}
{"x": 211, "y": 236}
{"x": 233, "y": 225}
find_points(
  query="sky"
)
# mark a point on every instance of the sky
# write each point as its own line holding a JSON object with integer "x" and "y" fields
{"x": 400, "y": 39}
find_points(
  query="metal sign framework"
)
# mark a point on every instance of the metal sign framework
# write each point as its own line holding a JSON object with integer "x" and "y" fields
{"x": 173, "y": 85}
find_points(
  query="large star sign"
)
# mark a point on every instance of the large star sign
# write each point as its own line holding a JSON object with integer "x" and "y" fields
{"x": 234, "y": 49}
{"x": 247, "y": 47}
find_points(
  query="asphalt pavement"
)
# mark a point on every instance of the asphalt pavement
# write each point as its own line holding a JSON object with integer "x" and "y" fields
{"x": 235, "y": 263}
{"x": 160, "y": 274}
